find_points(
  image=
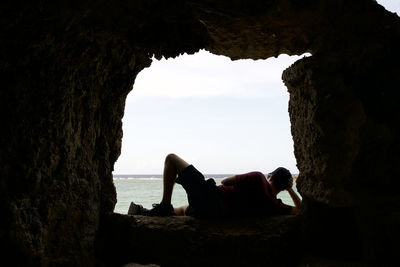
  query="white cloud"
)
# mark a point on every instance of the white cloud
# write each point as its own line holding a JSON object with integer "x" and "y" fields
{"x": 206, "y": 75}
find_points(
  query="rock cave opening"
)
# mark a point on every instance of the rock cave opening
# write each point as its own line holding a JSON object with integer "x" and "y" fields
{"x": 66, "y": 71}
{"x": 227, "y": 116}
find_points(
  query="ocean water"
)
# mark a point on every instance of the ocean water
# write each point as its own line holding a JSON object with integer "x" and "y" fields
{"x": 147, "y": 189}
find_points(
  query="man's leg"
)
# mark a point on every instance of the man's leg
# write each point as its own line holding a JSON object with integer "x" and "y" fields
{"x": 173, "y": 166}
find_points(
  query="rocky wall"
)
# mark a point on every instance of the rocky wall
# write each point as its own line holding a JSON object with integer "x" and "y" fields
{"x": 342, "y": 108}
{"x": 66, "y": 72}
{"x": 62, "y": 109}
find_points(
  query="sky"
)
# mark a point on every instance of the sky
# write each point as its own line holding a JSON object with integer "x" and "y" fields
{"x": 222, "y": 116}
{"x": 391, "y": 5}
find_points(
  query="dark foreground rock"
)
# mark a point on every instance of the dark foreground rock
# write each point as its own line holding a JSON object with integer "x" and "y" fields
{"x": 269, "y": 241}
{"x": 185, "y": 241}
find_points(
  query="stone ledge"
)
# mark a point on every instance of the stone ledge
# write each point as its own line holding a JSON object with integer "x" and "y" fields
{"x": 185, "y": 241}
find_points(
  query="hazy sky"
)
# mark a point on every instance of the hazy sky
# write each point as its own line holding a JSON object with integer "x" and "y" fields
{"x": 391, "y": 5}
{"x": 223, "y": 116}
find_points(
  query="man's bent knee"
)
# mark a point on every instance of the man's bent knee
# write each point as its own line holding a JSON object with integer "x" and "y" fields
{"x": 178, "y": 163}
{"x": 170, "y": 158}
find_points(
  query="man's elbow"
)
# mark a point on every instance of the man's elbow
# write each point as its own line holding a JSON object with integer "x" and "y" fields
{"x": 295, "y": 211}
{"x": 228, "y": 181}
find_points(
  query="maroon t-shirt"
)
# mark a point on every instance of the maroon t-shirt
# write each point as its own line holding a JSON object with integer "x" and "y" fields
{"x": 250, "y": 195}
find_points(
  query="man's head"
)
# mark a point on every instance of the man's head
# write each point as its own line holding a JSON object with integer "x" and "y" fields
{"x": 281, "y": 178}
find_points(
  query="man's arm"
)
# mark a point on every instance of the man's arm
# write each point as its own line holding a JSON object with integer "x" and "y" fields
{"x": 296, "y": 200}
{"x": 229, "y": 180}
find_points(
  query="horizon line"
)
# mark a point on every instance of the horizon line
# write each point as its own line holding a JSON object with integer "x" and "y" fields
{"x": 137, "y": 174}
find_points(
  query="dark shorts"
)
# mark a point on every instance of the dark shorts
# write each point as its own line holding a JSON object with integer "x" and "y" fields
{"x": 202, "y": 194}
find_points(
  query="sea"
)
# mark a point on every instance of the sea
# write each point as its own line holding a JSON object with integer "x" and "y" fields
{"x": 146, "y": 189}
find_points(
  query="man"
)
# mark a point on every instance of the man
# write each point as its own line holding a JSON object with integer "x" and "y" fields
{"x": 249, "y": 194}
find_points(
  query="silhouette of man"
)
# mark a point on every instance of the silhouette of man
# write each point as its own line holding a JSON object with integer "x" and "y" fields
{"x": 249, "y": 194}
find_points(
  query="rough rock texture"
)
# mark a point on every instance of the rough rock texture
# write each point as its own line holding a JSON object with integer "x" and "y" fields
{"x": 66, "y": 70}
{"x": 65, "y": 74}
{"x": 343, "y": 110}
{"x": 244, "y": 242}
